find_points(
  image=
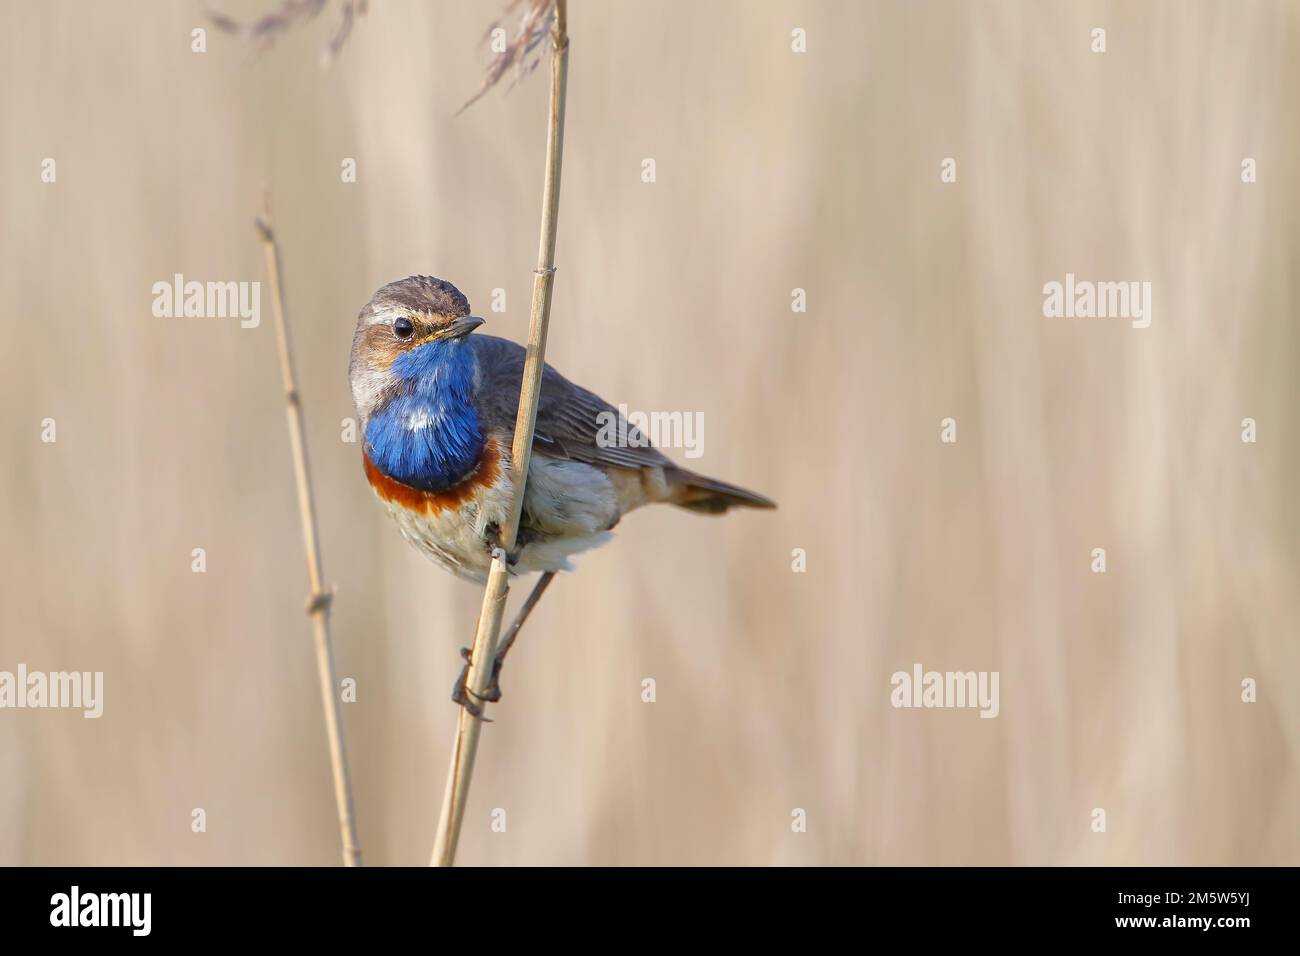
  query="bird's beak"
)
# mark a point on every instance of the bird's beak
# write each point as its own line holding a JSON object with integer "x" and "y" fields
{"x": 462, "y": 327}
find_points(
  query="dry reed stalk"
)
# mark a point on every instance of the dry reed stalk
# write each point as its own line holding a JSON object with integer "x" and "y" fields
{"x": 521, "y": 54}
{"x": 318, "y": 605}
{"x": 465, "y": 745}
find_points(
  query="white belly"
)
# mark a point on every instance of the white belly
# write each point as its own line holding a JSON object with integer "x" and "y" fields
{"x": 571, "y": 505}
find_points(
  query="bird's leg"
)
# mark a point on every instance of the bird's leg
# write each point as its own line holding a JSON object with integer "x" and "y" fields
{"x": 460, "y": 692}
{"x": 493, "y": 692}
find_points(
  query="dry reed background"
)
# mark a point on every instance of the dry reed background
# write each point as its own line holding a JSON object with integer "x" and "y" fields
{"x": 775, "y": 170}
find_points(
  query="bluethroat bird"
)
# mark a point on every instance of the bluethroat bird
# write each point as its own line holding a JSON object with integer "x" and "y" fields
{"x": 437, "y": 408}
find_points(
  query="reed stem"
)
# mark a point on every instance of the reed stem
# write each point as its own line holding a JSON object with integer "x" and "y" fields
{"x": 465, "y": 745}
{"x": 318, "y": 603}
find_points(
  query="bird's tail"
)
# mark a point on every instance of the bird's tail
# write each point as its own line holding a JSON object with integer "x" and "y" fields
{"x": 709, "y": 496}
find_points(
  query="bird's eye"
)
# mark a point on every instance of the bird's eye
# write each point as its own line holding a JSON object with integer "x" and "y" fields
{"x": 403, "y": 328}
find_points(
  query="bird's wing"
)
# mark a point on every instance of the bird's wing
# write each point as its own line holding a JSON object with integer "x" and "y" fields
{"x": 571, "y": 421}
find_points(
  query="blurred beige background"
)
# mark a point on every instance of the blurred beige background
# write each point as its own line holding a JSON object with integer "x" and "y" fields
{"x": 775, "y": 171}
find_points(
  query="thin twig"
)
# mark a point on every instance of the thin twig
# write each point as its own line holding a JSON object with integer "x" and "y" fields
{"x": 465, "y": 746}
{"x": 318, "y": 604}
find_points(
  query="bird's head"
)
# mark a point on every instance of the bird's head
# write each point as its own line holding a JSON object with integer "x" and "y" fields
{"x": 404, "y": 328}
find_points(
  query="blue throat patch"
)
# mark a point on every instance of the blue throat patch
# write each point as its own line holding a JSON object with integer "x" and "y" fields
{"x": 429, "y": 436}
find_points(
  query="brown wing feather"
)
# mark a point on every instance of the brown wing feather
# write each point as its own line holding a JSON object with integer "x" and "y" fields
{"x": 570, "y": 419}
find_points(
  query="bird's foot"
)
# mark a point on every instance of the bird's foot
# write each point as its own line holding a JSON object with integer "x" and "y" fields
{"x": 461, "y": 694}
{"x": 492, "y": 693}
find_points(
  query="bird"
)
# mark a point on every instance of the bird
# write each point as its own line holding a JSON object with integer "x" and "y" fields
{"x": 436, "y": 406}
